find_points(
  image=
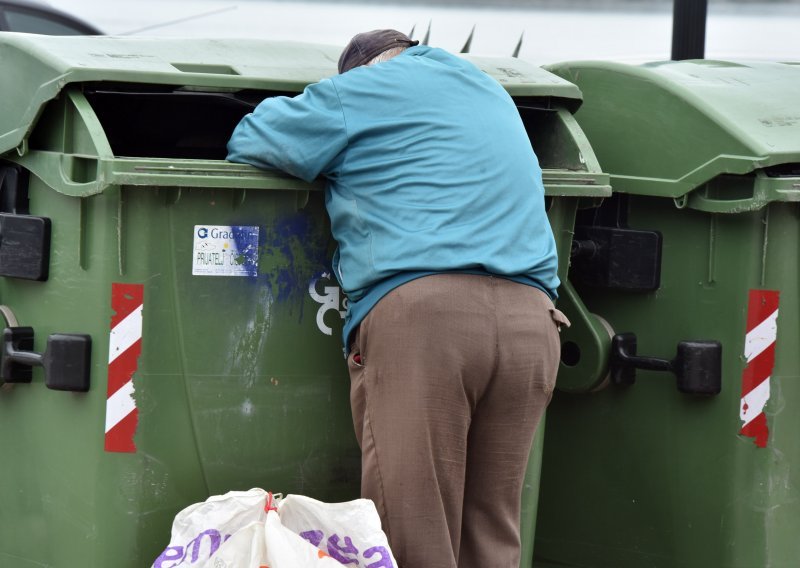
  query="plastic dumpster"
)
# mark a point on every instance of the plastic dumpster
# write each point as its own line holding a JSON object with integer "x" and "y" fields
{"x": 692, "y": 268}
{"x": 171, "y": 328}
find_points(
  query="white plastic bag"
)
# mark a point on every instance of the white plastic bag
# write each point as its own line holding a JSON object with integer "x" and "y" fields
{"x": 200, "y": 529}
{"x": 286, "y": 549}
{"x": 268, "y": 544}
{"x": 250, "y": 529}
{"x": 245, "y": 549}
{"x": 349, "y": 532}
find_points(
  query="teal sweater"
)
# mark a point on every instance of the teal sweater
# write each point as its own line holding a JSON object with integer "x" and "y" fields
{"x": 429, "y": 170}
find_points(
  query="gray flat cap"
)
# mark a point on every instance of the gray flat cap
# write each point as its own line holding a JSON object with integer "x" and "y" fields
{"x": 364, "y": 46}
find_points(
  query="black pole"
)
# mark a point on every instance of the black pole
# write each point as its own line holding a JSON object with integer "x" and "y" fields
{"x": 689, "y": 29}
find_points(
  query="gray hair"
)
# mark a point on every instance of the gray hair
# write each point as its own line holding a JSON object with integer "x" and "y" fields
{"x": 386, "y": 55}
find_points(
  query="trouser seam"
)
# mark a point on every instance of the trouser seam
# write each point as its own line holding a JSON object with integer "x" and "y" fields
{"x": 368, "y": 410}
{"x": 493, "y": 298}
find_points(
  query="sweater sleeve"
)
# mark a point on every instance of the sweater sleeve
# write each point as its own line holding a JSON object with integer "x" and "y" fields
{"x": 300, "y": 135}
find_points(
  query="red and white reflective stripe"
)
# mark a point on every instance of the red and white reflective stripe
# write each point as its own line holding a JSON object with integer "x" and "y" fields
{"x": 124, "y": 347}
{"x": 759, "y": 350}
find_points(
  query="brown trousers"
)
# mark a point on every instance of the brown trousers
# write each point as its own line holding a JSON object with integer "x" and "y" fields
{"x": 455, "y": 373}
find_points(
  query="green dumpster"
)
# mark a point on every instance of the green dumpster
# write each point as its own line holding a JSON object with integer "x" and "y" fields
{"x": 171, "y": 326}
{"x": 692, "y": 270}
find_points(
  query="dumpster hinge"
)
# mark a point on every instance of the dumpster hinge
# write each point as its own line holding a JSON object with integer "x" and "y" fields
{"x": 606, "y": 253}
{"x": 24, "y": 238}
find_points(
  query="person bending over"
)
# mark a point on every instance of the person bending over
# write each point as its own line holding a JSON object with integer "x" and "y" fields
{"x": 447, "y": 258}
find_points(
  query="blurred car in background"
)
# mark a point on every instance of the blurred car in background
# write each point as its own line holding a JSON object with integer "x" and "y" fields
{"x": 32, "y": 16}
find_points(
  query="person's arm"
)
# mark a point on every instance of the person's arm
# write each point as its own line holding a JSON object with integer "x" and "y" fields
{"x": 300, "y": 135}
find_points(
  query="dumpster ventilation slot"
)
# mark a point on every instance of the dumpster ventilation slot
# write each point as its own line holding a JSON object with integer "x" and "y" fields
{"x": 200, "y": 68}
{"x": 173, "y": 123}
{"x": 783, "y": 170}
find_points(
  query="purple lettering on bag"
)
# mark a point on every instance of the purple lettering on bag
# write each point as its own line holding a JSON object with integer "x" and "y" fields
{"x": 338, "y": 552}
{"x": 173, "y": 553}
{"x": 170, "y": 553}
{"x": 385, "y": 560}
{"x": 314, "y": 537}
{"x": 214, "y": 541}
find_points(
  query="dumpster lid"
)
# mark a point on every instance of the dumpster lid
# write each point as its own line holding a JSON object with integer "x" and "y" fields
{"x": 523, "y": 79}
{"x": 36, "y": 68}
{"x": 675, "y": 125}
{"x": 756, "y": 102}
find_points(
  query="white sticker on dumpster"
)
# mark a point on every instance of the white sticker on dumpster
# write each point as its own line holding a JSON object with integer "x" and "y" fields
{"x": 221, "y": 250}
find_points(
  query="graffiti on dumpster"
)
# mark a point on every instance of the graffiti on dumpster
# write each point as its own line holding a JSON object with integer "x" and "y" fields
{"x": 331, "y": 299}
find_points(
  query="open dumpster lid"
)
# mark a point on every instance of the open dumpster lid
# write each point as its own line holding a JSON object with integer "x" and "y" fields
{"x": 667, "y": 128}
{"x": 36, "y": 68}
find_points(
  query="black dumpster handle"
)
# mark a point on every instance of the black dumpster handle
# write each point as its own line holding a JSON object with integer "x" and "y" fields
{"x": 697, "y": 365}
{"x": 66, "y": 361}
